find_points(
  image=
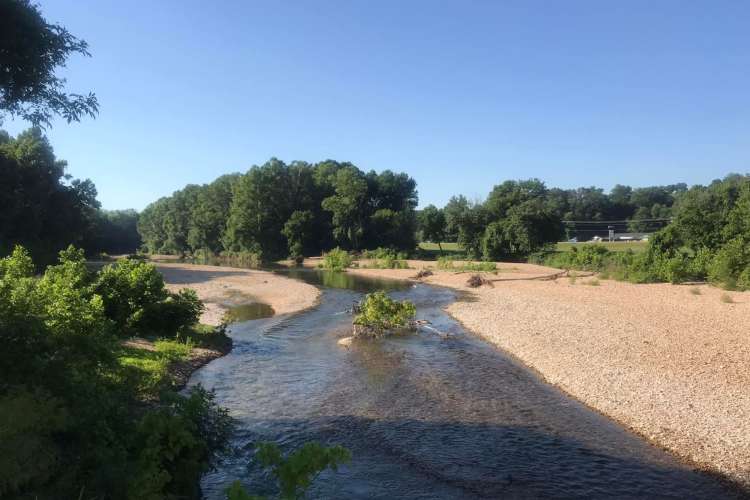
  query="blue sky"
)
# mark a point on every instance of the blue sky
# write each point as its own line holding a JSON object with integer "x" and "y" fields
{"x": 461, "y": 95}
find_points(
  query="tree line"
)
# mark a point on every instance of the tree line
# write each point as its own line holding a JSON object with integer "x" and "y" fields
{"x": 521, "y": 217}
{"x": 277, "y": 210}
{"x": 45, "y": 209}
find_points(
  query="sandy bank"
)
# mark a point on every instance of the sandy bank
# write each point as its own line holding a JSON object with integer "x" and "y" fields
{"x": 221, "y": 287}
{"x": 671, "y": 364}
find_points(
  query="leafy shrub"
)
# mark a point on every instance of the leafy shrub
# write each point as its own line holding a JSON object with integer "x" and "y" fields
{"x": 245, "y": 259}
{"x": 730, "y": 266}
{"x": 72, "y": 420}
{"x": 170, "y": 316}
{"x": 336, "y": 260}
{"x": 295, "y": 472}
{"x": 175, "y": 444}
{"x": 379, "y": 313}
{"x": 384, "y": 253}
{"x": 136, "y": 299}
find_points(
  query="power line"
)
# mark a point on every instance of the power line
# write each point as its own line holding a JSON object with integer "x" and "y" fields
{"x": 664, "y": 219}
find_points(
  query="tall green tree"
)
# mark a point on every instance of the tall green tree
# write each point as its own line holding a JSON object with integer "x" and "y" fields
{"x": 44, "y": 209}
{"x": 348, "y": 206}
{"x": 432, "y": 225}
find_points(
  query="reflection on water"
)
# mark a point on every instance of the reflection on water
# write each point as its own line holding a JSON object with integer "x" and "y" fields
{"x": 425, "y": 416}
{"x": 340, "y": 279}
{"x": 246, "y": 312}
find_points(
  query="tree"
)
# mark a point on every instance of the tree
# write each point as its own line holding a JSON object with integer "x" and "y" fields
{"x": 31, "y": 51}
{"x": 298, "y": 230}
{"x": 347, "y": 206}
{"x": 527, "y": 228}
{"x": 432, "y": 224}
{"x": 42, "y": 208}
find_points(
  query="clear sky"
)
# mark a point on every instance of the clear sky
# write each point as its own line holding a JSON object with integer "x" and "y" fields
{"x": 461, "y": 95}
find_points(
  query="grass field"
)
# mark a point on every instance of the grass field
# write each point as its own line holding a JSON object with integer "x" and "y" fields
{"x": 615, "y": 246}
{"x": 433, "y": 247}
{"x": 564, "y": 246}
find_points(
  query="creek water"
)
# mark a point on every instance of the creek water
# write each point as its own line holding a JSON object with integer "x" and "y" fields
{"x": 427, "y": 415}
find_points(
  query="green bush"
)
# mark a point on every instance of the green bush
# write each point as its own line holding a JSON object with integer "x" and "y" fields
{"x": 72, "y": 418}
{"x": 384, "y": 258}
{"x": 136, "y": 299}
{"x": 175, "y": 444}
{"x": 448, "y": 264}
{"x": 336, "y": 260}
{"x": 245, "y": 259}
{"x": 730, "y": 266}
{"x": 384, "y": 253}
{"x": 295, "y": 472}
{"x": 170, "y": 316}
{"x": 379, "y": 313}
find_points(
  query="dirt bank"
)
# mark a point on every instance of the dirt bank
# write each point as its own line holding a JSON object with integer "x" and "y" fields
{"x": 672, "y": 362}
{"x": 221, "y": 287}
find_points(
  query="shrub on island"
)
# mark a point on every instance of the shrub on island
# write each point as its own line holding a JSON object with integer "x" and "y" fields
{"x": 378, "y": 315}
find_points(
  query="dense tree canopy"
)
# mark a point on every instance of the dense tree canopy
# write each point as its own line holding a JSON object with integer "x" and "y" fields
{"x": 42, "y": 207}
{"x": 31, "y": 51}
{"x": 276, "y": 210}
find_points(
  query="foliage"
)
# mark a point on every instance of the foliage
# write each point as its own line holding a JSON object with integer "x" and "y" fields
{"x": 277, "y": 210}
{"x": 242, "y": 259}
{"x": 31, "y": 51}
{"x": 114, "y": 232}
{"x": 136, "y": 299}
{"x": 379, "y": 313}
{"x": 448, "y": 264}
{"x": 708, "y": 239}
{"x": 42, "y": 209}
{"x": 73, "y": 418}
{"x": 176, "y": 443}
{"x": 298, "y": 232}
{"x": 336, "y": 260}
{"x": 296, "y": 472}
{"x": 385, "y": 258}
{"x": 432, "y": 225}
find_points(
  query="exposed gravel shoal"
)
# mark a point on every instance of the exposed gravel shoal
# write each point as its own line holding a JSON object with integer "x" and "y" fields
{"x": 670, "y": 364}
{"x": 218, "y": 286}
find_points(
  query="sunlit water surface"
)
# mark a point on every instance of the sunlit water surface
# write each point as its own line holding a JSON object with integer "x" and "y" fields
{"x": 428, "y": 415}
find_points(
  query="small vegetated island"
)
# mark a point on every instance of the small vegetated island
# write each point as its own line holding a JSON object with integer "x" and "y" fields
{"x": 378, "y": 315}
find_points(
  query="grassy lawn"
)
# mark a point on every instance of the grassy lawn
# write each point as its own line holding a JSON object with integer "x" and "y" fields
{"x": 564, "y": 246}
{"x": 615, "y": 246}
{"x": 447, "y": 247}
{"x": 147, "y": 367}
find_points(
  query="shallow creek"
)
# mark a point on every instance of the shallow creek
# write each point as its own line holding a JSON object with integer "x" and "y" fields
{"x": 428, "y": 415}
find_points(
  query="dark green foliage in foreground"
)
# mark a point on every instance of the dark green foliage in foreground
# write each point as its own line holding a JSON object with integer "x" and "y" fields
{"x": 31, "y": 51}
{"x": 277, "y": 210}
{"x": 296, "y": 472}
{"x": 73, "y": 420}
{"x": 136, "y": 299}
{"x": 708, "y": 239}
